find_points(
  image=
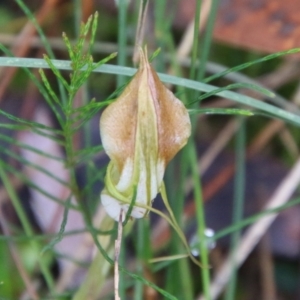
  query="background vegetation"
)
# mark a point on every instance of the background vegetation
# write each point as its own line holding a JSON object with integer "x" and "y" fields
{"x": 238, "y": 173}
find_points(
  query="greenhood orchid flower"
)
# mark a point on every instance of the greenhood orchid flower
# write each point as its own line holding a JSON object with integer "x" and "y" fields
{"x": 141, "y": 131}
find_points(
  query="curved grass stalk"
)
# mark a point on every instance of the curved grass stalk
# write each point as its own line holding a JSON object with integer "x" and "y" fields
{"x": 250, "y": 86}
{"x": 221, "y": 111}
{"x": 250, "y": 220}
{"x": 250, "y": 63}
{"x": 199, "y": 86}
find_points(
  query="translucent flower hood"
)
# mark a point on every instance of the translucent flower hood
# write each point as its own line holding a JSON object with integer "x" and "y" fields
{"x": 141, "y": 131}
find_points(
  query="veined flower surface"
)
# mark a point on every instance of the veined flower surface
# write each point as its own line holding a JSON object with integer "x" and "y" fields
{"x": 141, "y": 132}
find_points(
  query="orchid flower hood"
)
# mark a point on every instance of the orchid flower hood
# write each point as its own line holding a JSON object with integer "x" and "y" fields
{"x": 141, "y": 131}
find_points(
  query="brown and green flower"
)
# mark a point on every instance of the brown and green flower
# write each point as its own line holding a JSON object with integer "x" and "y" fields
{"x": 141, "y": 132}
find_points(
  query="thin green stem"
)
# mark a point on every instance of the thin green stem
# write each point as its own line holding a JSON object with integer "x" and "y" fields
{"x": 205, "y": 276}
{"x": 191, "y": 148}
{"x": 195, "y": 40}
{"x": 138, "y": 286}
{"x": 205, "y": 47}
{"x": 84, "y": 92}
{"x": 121, "y": 80}
{"x": 78, "y": 16}
{"x": 122, "y": 40}
{"x": 238, "y": 204}
{"x": 187, "y": 279}
{"x": 174, "y": 185}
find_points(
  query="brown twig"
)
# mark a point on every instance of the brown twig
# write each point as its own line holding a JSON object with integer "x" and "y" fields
{"x": 266, "y": 270}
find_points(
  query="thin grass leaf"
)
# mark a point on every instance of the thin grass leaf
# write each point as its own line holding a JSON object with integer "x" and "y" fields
{"x": 206, "y": 42}
{"x": 154, "y": 54}
{"x": 52, "y": 94}
{"x": 238, "y": 203}
{"x": 84, "y": 29}
{"x": 240, "y": 78}
{"x": 56, "y": 73}
{"x": 50, "y": 91}
{"x": 93, "y": 32}
{"x": 161, "y": 265}
{"x": 195, "y": 49}
{"x": 79, "y": 77}
{"x": 221, "y": 111}
{"x": 251, "y": 63}
{"x": 250, "y": 86}
{"x": 14, "y": 127}
{"x": 250, "y": 220}
{"x": 168, "y": 258}
{"x": 104, "y": 60}
{"x": 61, "y": 232}
{"x": 200, "y": 217}
{"x": 242, "y": 99}
{"x": 111, "y": 69}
